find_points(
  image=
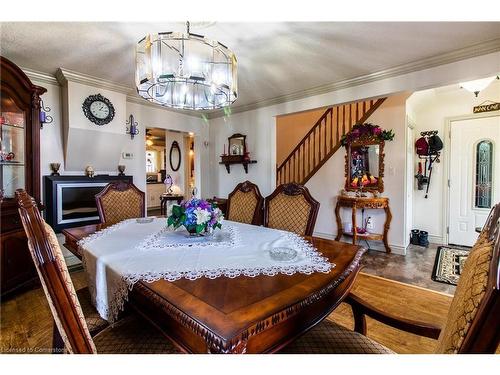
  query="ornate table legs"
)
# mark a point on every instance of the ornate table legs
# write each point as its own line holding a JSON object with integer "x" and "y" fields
{"x": 387, "y": 225}
{"x": 354, "y": 203}
{"x": 340, "y": 229}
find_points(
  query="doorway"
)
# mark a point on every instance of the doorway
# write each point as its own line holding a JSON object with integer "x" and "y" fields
{"x": 474, "y": 176}
{"x": 170, "y": 162}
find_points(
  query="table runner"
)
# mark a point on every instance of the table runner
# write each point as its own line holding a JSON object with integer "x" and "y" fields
{"x": 125, "y": 253}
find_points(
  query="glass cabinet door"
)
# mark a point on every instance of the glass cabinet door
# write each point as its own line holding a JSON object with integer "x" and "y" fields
{"x": 12, "y": 143}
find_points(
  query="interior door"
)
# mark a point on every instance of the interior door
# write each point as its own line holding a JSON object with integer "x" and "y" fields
{"x": 474, "y": 176}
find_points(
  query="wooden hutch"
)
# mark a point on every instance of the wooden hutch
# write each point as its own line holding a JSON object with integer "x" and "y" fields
{"x": 19, "y": 168}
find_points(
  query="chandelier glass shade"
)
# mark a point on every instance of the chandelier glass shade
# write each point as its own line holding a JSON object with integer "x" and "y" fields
{"x": 186, "y": 71}
{"x": 478, "y": 85}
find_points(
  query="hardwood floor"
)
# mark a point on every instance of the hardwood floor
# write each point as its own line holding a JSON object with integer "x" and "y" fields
{"x": 411, "y": 302}
{"x": 26, "y": 322}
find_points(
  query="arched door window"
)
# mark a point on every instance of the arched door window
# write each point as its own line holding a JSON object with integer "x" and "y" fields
{"x": 484, "y": 174}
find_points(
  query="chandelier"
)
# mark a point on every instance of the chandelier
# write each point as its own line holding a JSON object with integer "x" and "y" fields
{"x": 478, "y": 85}
{"x": 185, "y": 71}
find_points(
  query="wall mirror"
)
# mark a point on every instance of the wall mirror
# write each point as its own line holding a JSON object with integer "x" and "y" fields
{"x": 364, "y": 168}
{"x": 237, "y": 144}
{"x": 175, "y": 156}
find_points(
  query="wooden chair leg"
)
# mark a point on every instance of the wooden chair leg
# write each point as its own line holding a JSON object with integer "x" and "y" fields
{"x": 359, "y": 320}
{"x": 57, "y": 341}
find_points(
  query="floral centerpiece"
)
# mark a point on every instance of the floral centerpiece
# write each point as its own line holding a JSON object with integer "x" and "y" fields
{"x": 367, "y": 130}
{"x": 198, "y": 216}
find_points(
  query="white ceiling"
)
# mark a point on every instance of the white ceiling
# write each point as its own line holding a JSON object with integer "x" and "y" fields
{"x": 274, "y": 59}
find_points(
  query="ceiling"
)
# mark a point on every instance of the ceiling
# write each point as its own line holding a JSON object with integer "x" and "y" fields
{"x": 274, "y": 59}
{"x": 157, "y": 135}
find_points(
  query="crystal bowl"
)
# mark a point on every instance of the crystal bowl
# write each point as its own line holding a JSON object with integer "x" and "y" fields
{"x": 144, "y": 220}
{"x": 283, "y": 254}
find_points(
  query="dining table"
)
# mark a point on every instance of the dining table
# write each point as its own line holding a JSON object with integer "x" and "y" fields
{"x": 229, "y": 311}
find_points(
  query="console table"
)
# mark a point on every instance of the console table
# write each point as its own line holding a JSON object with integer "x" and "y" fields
{"x": 363, "y": 202}
{"x": 164, "y": 198}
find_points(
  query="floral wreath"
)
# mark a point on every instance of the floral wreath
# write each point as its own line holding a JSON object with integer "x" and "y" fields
{"x": 366, "y": 130}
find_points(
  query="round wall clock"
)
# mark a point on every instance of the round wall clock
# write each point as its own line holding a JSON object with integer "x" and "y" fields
{"x": 98, "y": 109}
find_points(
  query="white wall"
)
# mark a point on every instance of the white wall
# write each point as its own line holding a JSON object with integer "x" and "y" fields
{"x": 116, "y": 141}
{"x": 151, "y": 117}
{"x": 326, "y": 184}
{"x": 431, "y": 108}
{"x": 51, "y": 136}
{"x": 259, "y": 126}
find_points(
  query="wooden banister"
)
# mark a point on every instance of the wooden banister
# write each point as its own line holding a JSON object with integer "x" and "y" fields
{"x": 316, "y": 147}
{"x": 313, "y": 129}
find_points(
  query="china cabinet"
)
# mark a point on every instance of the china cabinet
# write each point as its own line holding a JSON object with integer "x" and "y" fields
{"x": 19, "y": 168}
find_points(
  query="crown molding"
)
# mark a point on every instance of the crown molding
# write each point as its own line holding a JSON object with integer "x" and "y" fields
{"x": 64, "y": 76}
{"x": 136, "y": 99}
{"x": 35, "y": 75}
{"x": 475, "y": 50}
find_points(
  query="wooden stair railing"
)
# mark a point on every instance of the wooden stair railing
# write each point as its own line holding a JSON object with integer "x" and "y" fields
{"x": 323, "y": 140}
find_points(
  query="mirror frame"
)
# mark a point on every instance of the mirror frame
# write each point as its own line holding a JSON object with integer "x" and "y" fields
{"x": 175, "y": 146}
{"x": 234, "y": 136}
{"x": 365, "y": 142}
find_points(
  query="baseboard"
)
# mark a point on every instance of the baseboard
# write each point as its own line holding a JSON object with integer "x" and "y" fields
{"x": 437, "y": 240}
{"x": 374, "y": 245}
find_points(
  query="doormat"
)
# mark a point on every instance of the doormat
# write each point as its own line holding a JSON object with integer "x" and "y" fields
{"x": 449, "y": 264}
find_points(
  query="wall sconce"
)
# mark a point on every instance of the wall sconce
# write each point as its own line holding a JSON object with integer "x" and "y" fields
{"x": 44, "y": 118}
{"x": 132, "y": 130}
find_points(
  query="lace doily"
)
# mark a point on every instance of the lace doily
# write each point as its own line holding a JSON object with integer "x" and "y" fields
{"x": 318, "y": 263}
{"x": 169, "y": 238}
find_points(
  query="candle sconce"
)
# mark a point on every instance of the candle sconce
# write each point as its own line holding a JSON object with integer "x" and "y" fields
{"x": 44, "y": 118}
{"x": 132, "y": 128}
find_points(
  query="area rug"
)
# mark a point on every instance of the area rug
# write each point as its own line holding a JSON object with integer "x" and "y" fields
{"x": 449, "y": 264}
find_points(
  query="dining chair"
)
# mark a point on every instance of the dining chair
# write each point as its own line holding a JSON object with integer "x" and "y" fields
{"x": 291, "y": 207}
{"x": 129, "y": 335}
{"x": 472, "y": 322}
{"x": 245, "y": 204}
{"x": 119, "y": 201}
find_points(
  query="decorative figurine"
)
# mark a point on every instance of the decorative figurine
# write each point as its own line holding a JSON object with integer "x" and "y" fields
{"x": 121, "y": 169}
{"x": 89, "y": 171}
{"x": 55, "y": 169}
{"x": 168, "y": 184}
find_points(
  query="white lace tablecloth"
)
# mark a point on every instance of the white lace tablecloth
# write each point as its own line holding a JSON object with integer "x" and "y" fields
{"x": 119, "y": 256}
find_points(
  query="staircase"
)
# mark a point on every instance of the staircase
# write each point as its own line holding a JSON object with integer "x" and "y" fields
{"x": 323, "y": 140}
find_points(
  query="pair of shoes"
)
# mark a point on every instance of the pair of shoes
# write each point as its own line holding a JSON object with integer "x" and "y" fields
{"x": 419, "y": 237}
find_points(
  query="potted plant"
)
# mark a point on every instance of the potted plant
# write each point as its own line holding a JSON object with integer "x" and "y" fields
{"x": 198, "y": 216}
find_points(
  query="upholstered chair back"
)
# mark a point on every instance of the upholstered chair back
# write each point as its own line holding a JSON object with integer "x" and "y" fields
{"x": 119, "y": 201}
{"x": 245, "y": 204}
{"x": 474, "y": 317}
{"x": 291, "y": 207}
{"x": 54, "y": 277}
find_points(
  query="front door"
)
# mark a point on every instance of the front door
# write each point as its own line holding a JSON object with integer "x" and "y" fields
{"x": 474, "y": 176}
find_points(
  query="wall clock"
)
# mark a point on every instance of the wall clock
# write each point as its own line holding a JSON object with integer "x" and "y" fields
{"x": 98, "y": 109}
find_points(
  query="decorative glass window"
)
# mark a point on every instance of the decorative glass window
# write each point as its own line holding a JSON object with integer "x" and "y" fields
{"x": 484, "y": 174}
